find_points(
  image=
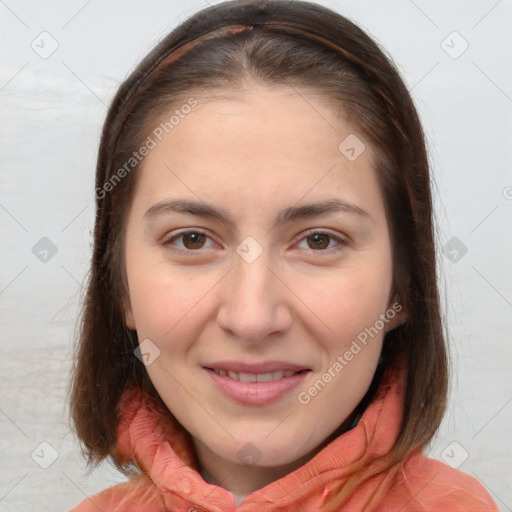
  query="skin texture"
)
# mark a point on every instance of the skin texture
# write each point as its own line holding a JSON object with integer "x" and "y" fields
{"x": 303, "y": 300}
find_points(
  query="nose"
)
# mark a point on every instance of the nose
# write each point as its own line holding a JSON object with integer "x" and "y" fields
{"x": 254, "y": 302}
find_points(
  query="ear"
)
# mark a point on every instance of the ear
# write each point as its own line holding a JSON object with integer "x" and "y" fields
{"x": 129, "y": 318}
{"x": 396, "y": 315}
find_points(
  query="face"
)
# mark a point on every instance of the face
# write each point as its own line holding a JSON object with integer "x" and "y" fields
{"x": 259, "y": 266}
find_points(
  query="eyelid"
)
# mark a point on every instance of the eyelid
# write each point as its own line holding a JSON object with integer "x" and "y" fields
{"x": 341, "y": 239}
{"x": 167, "y": 241}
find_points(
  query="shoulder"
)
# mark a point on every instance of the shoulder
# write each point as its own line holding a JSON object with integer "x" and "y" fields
{"x": 135, "y": 495}
{"x": 426, "y": 484}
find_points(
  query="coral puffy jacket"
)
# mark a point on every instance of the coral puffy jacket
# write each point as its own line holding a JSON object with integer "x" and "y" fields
{"x": 170, "y": 481}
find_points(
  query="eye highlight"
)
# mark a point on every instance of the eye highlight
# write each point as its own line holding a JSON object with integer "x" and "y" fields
{"x": 191, "y": 241}
{"x": 320, "y": 241}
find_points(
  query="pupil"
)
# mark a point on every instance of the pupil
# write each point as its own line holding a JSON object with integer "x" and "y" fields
{"x": 193, "y": 240}
{"x": 321, "y": 241}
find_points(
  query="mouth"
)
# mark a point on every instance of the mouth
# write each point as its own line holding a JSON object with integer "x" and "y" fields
{"x": 256, "y": 384}
{"x": 256, "y": 377}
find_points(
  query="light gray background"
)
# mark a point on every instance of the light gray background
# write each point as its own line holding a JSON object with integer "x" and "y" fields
{"x": 52, "y": 110}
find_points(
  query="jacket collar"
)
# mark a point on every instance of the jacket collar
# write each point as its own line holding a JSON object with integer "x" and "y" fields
{"x": 150, "y": 436}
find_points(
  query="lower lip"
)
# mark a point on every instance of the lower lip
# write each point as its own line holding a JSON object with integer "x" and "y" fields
{"x": 256, "y": 393}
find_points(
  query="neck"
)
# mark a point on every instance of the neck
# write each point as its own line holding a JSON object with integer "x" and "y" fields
{"x": 241, "y": 479}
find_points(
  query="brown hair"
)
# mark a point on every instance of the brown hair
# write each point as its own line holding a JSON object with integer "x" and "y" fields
{"x": 226, "y": 47}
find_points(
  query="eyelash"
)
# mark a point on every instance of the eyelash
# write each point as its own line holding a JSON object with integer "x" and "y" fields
{"x": 189, "y": 252}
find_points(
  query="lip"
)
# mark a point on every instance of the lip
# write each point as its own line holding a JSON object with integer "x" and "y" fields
{"x": 266, "y": 367}
{"x": 256, "y": 393}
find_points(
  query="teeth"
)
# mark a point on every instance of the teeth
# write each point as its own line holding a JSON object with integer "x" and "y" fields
{"x": 264, "y": 377}
{"x": 247, "y": 377}
{"x": 255, "y": 377}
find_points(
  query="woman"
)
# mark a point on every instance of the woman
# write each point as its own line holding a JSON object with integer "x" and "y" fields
{"x": 262, "y": 328}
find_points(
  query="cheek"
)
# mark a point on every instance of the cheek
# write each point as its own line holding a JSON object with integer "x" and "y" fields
{"x": 350, "y": 307}
{"x": 349, "y": 300}
{"x": 166, "y": 304}
{"x": 157, "y": 307}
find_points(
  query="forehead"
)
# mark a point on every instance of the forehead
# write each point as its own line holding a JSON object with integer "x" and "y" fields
{"x": 264, "y": 145}
{"x": 287, "y": 122}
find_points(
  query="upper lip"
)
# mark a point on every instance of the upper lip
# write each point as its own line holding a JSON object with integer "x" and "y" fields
{"x": 256, "y": 368}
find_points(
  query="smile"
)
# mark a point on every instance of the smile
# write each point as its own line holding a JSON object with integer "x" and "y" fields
{"x": 255, "y": 377}
{"x": 255, "y": 384}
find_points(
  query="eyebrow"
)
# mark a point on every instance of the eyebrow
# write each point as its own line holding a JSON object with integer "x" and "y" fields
{"x": 287, "y": 215}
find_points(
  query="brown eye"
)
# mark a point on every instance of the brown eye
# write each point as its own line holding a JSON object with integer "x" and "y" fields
{"x": 318, "y": 241}
{"x": 323, "y": 243}
{"x": 189, "y": 242}
{"x": 194, "y": 240}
